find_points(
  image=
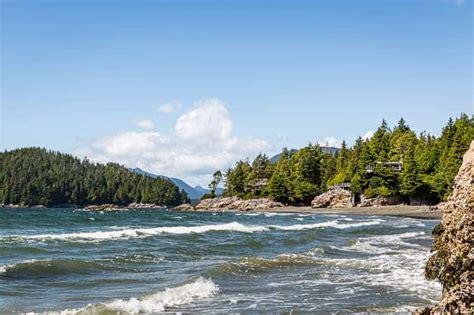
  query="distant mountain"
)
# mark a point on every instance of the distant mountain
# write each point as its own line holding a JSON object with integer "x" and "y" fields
{"x": 219, "y": 191}
{"x": 330, "y": 150}
{"x": 275, "y": 158}
{"x": 194, "y": 193}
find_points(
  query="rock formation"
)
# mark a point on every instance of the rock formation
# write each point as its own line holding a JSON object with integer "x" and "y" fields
{"x": 105, "y": 207}
{"x": 453, "y": 260}
{"x": 184, "y": 207}
{"x": 379, "y": 201}
{"x": 235, "y": 203}
{"x": 138, "y": 205}
{"x": 334, "y": 198}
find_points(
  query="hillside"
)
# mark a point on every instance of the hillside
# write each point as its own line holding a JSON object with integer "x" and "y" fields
{"x": 396, "y": 165}
{"x": 35, "y": 176}
{"x": 329, "y": 150}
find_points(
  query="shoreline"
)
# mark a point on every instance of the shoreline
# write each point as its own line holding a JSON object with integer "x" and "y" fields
{"x": 417, "y": 212}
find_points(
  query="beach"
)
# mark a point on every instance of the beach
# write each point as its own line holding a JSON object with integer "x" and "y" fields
{"x": 419, "y": 212}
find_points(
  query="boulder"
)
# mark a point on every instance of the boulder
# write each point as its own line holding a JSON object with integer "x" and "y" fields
{"x": 453, "y": 260}
{"x": 334, "y": 198}
{"x": 379, "y": 201}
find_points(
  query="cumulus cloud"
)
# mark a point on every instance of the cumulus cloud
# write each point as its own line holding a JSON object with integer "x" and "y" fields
{"x": 330, "y": 142}
{"x": 146, "y": 124}
{"x": 170, "y": 107}
{"x": 201, "y": 142}
{"x": 369, "y": 134}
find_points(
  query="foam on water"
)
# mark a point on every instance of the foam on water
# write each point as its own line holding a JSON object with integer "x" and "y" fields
{"x": 5, "y": 268}
{"x": 394, "y": 262}
{"x": 158, "y": 302}
{"x": 332, "y": 224}
{"x": 140, "y": 232}
{"x": 117, "y": 234}
{"x": 187, "y": 293}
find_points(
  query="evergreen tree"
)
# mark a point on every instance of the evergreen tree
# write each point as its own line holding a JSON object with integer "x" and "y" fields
{"x": 34, "y": 176}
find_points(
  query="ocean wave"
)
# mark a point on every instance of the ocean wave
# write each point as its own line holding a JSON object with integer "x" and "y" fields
{"x": 392, "y": 262}
{"x": 333, "y": 224}
{"x": 260, "y": 264}
{"x": 116, "y": 234}
{"x": 43, "y": 267}
{"x": 98, "y": 236}
{"x": 186, "y": 293}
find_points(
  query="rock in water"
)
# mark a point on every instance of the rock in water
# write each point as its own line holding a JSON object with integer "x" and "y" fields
{"x": 334, "y": 198}
{"x": 453, "y": 261}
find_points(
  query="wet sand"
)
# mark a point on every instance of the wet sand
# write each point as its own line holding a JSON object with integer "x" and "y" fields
{"x": 419, "y": 212}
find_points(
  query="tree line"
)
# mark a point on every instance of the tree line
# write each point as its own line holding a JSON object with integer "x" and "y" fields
{"x": 36, "y": 176}
{"x": 427, "y": 169}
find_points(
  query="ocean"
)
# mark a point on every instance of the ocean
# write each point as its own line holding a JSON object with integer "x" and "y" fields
{"x": 152, "y": 261}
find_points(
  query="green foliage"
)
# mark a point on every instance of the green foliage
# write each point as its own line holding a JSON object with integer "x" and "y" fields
{"x": 294, "y": 179}
{"x": 429, "y": 166}
{"x": 235, "y": 179}
{"x": 216, "y": 179}
{"x": 34, "y": 176}
{"x": 208, "y": 196}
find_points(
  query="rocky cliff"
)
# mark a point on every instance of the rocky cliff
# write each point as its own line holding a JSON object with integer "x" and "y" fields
{"x": 453, "y": 260}
{"x": 334, "y": 198}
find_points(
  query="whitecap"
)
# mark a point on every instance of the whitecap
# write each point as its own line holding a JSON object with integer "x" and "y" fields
{"x": 98, "y": 236}
{"x": 187, "y": 293}
{"x": 119, "y": 234}
{"x": 333, "y": 224}
{"x": 158, "y": 302}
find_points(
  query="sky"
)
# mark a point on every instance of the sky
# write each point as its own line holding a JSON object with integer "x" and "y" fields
{"x": 182, "y": 88}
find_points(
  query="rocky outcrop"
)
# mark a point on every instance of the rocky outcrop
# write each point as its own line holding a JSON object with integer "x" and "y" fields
{"x": 104, "y": 207}
{"x": 453, "y": 260}
{"x": 334, "y": 198}
{"x": 138, "y": 205}
{"x": 184, "y": 207}
{"x": 235, "y": 203}
{"x": 379, "y": 201}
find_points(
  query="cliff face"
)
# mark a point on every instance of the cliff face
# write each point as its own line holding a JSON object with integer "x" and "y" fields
{"x": 453, "y": 260}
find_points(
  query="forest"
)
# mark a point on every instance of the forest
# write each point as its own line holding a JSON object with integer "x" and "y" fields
{"x": 428, "y": 167}
{"x": 36, "y": 176}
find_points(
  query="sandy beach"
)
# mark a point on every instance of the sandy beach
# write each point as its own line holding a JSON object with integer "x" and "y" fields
{"x": 419, "y": 212}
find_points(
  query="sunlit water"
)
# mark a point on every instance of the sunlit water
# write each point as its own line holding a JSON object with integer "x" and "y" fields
{"x": 158, "y": 260}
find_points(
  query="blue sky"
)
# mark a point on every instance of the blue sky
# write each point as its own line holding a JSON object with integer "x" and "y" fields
{"x": 103, "y": 78}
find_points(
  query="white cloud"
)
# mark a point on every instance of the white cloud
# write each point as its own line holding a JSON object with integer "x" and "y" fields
{"x": 146, "y": 124}
{"x": 170, "y": 107}
{"x": 201, "y": 142}
{"x": 330, "y": 142}
{"x": 369, "y": 134}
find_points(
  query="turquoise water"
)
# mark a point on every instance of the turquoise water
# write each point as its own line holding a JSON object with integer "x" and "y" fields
{"x": 159, "y": 260}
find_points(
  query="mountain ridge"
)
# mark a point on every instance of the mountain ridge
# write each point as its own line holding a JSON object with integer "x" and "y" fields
{"x": 194, "y": 193}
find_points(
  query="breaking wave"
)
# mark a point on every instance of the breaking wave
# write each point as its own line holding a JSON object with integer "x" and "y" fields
{"x": 187, "y": 293}
{"x": 99, "y": 236}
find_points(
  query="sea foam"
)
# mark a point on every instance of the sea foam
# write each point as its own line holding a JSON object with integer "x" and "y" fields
{"x": 115, "y": 234}
{"x": 201, "y": 288}
{"x": 140, "y": 232}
